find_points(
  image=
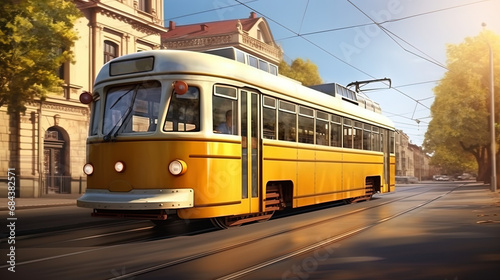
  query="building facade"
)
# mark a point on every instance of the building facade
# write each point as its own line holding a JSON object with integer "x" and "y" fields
{"x": 46, "y": 145}
{"x": 251, "y": 35}
{"x": 411, "y": 160}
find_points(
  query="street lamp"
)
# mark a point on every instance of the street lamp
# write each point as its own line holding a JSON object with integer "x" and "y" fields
{"x": 492, "y": 122}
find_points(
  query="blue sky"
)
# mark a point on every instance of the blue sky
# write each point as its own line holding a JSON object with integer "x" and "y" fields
{"x": 341, "y": 38}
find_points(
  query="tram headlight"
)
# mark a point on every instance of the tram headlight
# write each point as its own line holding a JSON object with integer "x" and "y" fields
{"x": 119, "y": 166}
{"x": 177, "y": 167}
{"x": 88, "y": 169}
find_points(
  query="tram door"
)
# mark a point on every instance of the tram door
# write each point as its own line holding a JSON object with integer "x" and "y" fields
{"x": 387, "y": 158}
{"x": 250, "y": 148}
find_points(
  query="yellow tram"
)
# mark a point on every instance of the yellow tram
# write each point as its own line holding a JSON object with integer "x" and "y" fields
{"x": 195, "y": 135}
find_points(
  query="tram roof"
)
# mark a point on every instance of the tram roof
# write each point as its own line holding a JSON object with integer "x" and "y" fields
{"x": 179, "y": 62}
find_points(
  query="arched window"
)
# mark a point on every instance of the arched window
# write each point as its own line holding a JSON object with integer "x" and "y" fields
{"x": 110, "y": 50}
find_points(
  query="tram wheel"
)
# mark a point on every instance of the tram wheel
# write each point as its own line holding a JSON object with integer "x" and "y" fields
{"x": 236, "y": 221}
{"x": 223, "y": 223}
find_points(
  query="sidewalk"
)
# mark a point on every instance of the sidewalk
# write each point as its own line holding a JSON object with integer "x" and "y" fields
{"x": 51, "y": 200}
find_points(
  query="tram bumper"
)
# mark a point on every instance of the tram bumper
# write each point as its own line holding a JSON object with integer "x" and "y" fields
{"x": 152, "y": 199}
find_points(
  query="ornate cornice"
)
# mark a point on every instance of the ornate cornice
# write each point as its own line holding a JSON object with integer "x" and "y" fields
{"x": 262, "y": 47}
{"x": 64, "y": 108}
{"x": 198, "y": 42}
{"x": 141, "y": 26}
{"x": 61, "y": 106}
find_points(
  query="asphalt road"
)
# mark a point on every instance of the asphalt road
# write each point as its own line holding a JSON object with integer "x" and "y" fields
{"x": 421, "y": 231}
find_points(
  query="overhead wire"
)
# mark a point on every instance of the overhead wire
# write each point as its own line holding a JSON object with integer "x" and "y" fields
{"x": 389, "y": 33}
{"x": 303, "y": 16}
{"x": 327, "y": 51}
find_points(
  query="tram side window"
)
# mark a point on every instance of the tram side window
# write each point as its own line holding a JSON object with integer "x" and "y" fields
{"x": 358, "y": 135}
{"x": 183, "y": 113}
{"x": 240, "y": 56}
{"x": 269, "y": 118}
{"x": 375, "y": 139}
{"x": 348, "y": 133}
{"x": 253, "y": 61}
{"x": 225, "y": 110}
{"x": 322, "y": 130}
{"x": 392, "y": 141}
{"x": 336, "y": 132}
{"x": 287, "y": 121}
{"x": 306, "y": 125}
{"x": 367, "y": 137}
{"x": 132, "y": 108}
{"x": 382, "y": 137}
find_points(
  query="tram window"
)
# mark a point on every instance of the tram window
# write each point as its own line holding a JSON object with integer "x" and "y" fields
{"x": 253, "y": 61}
{"x": 322, "y": 130}
{"x": 132, "y": 108}
{"x": 306, "y": 125}
{"x": 336, "y": 132}
{"x": 287, "y": 122}
{"x": 228, "y": 92}
{"x": 273, "y": 69}
{"x": 382, "y": 137}
{"x": 348, "y": 134}
{"x": 392, "y": 140}
{"x": 96, "y": 109}
{"x": 240, "y": 56}
{"x": 358, "y": 135}
{"x": 269, "y": 118}
{"x": 183, "y": 113}
{"x": 225, "y": 110}
{"x": 375, "y": 139}
{"x": 367, "y": 137}
{"x": 263, "y": 65}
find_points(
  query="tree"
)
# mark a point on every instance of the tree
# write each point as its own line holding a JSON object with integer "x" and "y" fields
{"x": 36, "y": 37}
{"x": 458, "y": 133}
{"x": 305, "y": 72}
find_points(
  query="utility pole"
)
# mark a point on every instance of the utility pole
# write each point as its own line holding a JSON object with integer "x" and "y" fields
{"x": 492, "y": 122}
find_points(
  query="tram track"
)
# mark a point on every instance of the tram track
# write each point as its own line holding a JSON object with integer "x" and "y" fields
{"x": 107, "y": 241}
{"x": 309, "y": 248}
{"x": 329, "y": 241}
{"x": 70, "y": 230}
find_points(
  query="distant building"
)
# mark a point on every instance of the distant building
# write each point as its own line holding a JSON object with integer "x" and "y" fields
{"x": 47, "y": 144}
{"x": 411, "y": 160}
{"x": 404, "y": 156}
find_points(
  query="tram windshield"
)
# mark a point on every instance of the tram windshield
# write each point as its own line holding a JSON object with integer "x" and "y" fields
{"x": 131, "y": 108}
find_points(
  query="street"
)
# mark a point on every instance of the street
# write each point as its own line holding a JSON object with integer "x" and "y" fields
{"x": 437, "y": 230}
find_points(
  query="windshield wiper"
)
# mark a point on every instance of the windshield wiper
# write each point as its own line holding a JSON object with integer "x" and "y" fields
{"x": 124, "y": 117}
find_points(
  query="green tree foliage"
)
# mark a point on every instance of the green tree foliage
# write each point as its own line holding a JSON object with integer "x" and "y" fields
{"x": 305, "y": 72}
{"x": 458, "y": 134}
{"x": 36, "y": 37}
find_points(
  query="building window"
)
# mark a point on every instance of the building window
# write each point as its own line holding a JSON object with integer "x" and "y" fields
{"x": 110, "y": 51}
{"x": 144, "y": 5}
{"x": 60, "y": 71}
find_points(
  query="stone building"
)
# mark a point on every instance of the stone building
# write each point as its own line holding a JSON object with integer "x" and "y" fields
{"x": 251, "y": 35}
{"x": 46, "y": 145}
{"x": 404, "y": 156}
{"x": 411, "y": 160}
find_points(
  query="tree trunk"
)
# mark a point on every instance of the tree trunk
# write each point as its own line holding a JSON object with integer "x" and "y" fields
{"x": 14, "y": 148}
